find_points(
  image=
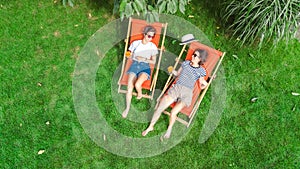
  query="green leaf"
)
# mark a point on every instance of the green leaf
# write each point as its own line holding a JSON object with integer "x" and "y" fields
{"x": 128, "y": 10}
{"x": 151, "y": 20}
{"x": 160, "y": 1}
{"x": 169, "y": 6}
{"x": 139, "y": 4}
{"x": 162, "y": 7}
{"x": 136, "y": 9}
{"x": 150, "y": 8}
{"x": 122, "y": 6}
{"x": 122, "y": 16}
{"x": 64, "y": 2}
{"x": 182, "y": 6}
{"x": 144, "y": 3}
{"x": 71, "y": 3}
{"x": 145, "y": 12}
{"x": 147, "y": 16}
{"x": 116, "y": 6}
{"x": 156, "y": 16}
{"x": 174, "y": 6}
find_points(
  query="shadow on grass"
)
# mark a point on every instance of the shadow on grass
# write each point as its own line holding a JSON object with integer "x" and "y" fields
{"x": 101, "y": 4}
{"x": 216, "y": 9}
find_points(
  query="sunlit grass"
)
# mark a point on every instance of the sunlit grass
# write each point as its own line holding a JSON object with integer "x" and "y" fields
{"x": 40, "y": 43}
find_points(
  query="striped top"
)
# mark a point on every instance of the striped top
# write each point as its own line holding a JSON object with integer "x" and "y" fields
{"x": 189, "y": 74}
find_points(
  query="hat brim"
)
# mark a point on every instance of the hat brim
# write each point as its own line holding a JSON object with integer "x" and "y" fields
{"x": 188, "y": 41}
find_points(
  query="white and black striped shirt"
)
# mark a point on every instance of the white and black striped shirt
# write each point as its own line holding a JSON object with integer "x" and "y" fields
{"x": 189, "y": 74}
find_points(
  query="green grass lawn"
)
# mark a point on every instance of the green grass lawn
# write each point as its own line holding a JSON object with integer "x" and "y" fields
{"x": 40, "y": 42}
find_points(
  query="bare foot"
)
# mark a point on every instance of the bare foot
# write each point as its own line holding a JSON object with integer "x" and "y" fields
{"x": 167, "y": 134}
{"x": 139, "y": 96}
{"x": 125, "y": 113}
{"x": 144, "y": 133}
{"x": 163, "y": 137}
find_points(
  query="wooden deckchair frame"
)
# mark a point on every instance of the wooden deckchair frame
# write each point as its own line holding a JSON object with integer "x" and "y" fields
{"x": 156, "y": 69}
{"x": 201, "y": 95}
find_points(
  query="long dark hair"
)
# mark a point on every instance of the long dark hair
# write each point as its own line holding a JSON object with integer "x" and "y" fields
{"x": 203, "y": 55}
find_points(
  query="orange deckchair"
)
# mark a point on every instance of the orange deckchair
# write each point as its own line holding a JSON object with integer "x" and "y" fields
{"x": 135, "y": 29}
{"x": 211, "y": 65}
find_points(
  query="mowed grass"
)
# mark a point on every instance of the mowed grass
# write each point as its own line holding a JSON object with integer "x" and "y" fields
{"x": 39, "y": 45}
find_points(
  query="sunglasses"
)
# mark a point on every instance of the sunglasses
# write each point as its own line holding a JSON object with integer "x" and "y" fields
{"x": 195, "y": 55}
{"x": 149, "y": 36}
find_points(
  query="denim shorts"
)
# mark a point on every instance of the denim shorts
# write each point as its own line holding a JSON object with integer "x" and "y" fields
{"x": 139, "y": 67}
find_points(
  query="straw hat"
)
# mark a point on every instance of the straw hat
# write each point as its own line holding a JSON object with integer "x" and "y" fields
{"x": 188, "y": 38}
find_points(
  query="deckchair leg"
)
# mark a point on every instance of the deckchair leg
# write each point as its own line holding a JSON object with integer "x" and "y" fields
{"x": 177, "y": 118}
{"x": 119, "y": 88}
{"x": 193, "y": 113}
{"x": 125, "y": 49}
{"x": 153, "y": 85}
{"x": 135, "y": 94}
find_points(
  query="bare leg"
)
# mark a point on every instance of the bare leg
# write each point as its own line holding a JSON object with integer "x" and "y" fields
{"x": 173, "y": 117}
{"x": 138, "y": 84}
{"x": 128, "y": 94}
{"x": 165, "y": 102}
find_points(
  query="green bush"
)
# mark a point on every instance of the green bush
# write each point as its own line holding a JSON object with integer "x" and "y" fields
{"x": 149, "y": 9}
{"x": 259, "y": 21}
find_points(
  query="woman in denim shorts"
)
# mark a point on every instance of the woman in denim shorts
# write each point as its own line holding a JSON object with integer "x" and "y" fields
{"x": 182, "y": 92}
{"x": 143, "y": 53}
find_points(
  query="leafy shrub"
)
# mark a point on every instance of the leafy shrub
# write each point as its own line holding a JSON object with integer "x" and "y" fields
{"x": 149, "y": 9}
{"x": 262, "y": 20}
